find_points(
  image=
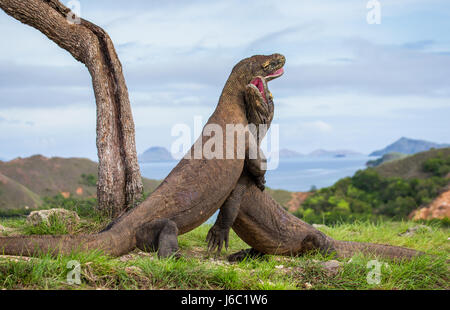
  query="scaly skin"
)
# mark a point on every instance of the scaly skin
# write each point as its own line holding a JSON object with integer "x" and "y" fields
{"x": 264, "y": 224}
{"x": 268, "y": 228}
{"x": 187, "y": 197}
{"x": 260, "y": 110}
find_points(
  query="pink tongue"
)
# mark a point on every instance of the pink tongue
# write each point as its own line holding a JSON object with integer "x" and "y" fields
{"x": 278, "y": 72}
{"x": 259, "y": 84}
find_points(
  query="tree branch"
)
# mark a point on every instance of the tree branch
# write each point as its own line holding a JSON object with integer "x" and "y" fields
{"x": 119, "y": 183}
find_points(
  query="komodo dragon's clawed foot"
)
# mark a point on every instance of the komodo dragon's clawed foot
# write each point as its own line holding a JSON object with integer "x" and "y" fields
{"x": 158, "y": 235}
{"x": 216, "y": 238}
{"x": 243, "y": 254}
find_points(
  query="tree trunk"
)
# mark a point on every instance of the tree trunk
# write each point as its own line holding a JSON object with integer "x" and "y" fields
{"x": 119, "y": 180}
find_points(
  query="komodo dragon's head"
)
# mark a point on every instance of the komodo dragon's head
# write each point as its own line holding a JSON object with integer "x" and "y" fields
{"x": 253, "y": 73}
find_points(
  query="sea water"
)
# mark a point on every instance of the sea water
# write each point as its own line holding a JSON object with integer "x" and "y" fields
{"x": 292, "y": 174}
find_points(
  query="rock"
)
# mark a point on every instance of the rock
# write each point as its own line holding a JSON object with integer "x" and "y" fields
{"x": 439, "y": 208}
{"x": 332, "y": 267}
{"x": 5, "y": 229}
{"x": 17, "y": 258}
{"x": 319, "y": 226}
{"x": 70, "y": 218}
{"x": 126, "y": 257}
{"x": 413, "y": 230}
{"x": 133, "y": 270}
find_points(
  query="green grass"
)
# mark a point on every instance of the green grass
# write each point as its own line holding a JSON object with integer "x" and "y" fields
{"x": 196, "y": 269}
{"x": 281, "y": 196}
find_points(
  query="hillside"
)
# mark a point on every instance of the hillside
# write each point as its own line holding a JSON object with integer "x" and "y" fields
{"x": 408, "y": 146}
{"x": 411, "y": 166}
{"x": 14, "y": 195}
{"x": 26, "y": 180}
{"x": 385, "y": 159}
{"x": 51, "y": 176}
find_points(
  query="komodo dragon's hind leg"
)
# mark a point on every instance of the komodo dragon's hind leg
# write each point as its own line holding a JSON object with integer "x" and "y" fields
{"x": 159, "y": 235}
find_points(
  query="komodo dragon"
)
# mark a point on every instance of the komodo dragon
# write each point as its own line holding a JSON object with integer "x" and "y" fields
{"x": 260, "y": 111}
{"x": 262, "y": 222}
{"x": 186, "y": 198}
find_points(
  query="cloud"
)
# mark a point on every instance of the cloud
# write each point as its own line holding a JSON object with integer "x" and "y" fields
{"x": 320, "y": 126}
{"x": 418, "y": 45}
{"x": 377, "y": 70}
{"x": 344, "y": 81}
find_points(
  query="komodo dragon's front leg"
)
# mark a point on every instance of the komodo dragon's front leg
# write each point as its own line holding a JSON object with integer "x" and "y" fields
{"x": 259, "y": 109}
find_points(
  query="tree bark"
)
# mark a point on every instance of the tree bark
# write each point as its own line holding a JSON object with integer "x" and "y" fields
{"x": 119, "y": 180}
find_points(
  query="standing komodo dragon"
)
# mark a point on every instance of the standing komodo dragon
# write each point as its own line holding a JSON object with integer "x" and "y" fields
{"x": 260, "y": 111}
{"x": 186, "y": 198}
{"x": 262, "y": 222}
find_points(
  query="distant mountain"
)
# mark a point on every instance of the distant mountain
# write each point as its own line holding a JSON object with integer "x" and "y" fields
{"x": 25, "y": 181}
{"x": 286, "y": 153}
{"x": 385, "y": 159}
{"x": 336, "y": 153}
{"x": 155, "y": 154}
{"x": 409, "y": 146}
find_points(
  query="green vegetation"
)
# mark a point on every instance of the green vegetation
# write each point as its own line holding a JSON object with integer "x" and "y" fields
{"x": 439, "y": 165}
{"x": 54, "y": 227}
{"x": 198, "y": 270}
{"x": 369, "y": 196}
{"x": 88, "y": 179}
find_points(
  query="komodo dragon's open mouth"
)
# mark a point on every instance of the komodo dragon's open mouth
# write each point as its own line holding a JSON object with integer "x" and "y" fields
{"x": 260, "y": 83}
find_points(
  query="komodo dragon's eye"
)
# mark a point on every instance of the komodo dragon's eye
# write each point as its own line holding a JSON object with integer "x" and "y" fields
{"x": 266, "y": 65}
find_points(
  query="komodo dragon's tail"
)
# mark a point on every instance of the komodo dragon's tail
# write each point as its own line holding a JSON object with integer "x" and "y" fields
{"x": 349, "y": 248}
{"x": 107, "y": 241}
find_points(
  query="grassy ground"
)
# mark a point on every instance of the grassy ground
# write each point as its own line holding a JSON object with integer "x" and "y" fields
{"x": 198, "y": 270}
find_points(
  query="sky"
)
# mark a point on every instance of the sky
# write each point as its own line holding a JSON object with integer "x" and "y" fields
{"x": 348, "y": 84}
